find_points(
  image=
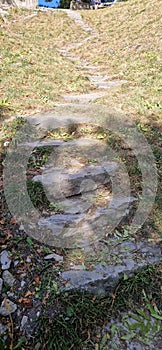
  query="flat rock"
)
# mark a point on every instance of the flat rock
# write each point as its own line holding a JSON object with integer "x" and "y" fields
{"x": 61, "y": 183}
{"x": 85, "y": 225}
{"x": 103, "y": 279}
{"x": 54, "y": 256}
{"x": 101, "y": 83}
{"x": 85, "y": 98}
{"x": 59, "y": 221}
{"x": 5, "y": 260}
{"x": 7, "y": 307}
{"x": 76, "y": 205}
{"x": 23, "y": 322}
{"x": 8, "y": 278}
{"x": 54, "y": 119}
{"x": 39, "y": 143}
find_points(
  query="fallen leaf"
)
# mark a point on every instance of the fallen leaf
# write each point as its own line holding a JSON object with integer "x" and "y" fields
{"x": 45, "y": 298}
{"x": 37, "y": 279}
{"x": 7, "y": 305}
{"x": 13, "y": 221}
{"x": 2, "y": 222}
{"x": 9, "y": 234}
{"x": 28, "y": 293}
{"x": 28, "y": 303}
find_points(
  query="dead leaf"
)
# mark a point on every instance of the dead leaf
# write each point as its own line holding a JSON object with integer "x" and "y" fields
{"x": 7, "y": 305}
{"x": 28, "y": 303}
{"x": 2, "y": 221}
{"x": 9, "y": 234}
{"x": 13, "y": 221}
{"x": 28, "y": 293}
{"x": 45, "y": 298}
{"x": 37, "y": 279}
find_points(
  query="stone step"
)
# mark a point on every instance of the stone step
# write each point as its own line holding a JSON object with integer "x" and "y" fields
{"x": 103, "y": 279}
{"x": 83, "y": 223}
{"x": 60, "y": 183}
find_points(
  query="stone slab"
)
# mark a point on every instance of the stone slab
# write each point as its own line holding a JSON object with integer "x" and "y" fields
{"x": 65, "y": 183}
{"x": 86, "y": 225}
{"x": 102, "y": 279}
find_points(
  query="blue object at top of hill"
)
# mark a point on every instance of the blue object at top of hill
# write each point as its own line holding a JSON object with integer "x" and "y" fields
{"x": 49, "y": 3}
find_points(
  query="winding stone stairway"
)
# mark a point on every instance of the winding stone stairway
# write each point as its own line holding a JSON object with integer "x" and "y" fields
{"x": 89, "y": 214}
{"x": 92, "y": 188}
{"x": 83, "y": 192}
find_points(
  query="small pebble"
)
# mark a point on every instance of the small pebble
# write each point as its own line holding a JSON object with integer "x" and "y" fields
{"x": 22, "y": 283}
{"x": 10, "y": 295}
{"x": 8, "y": 278}
{"x": 5, "y": 260}
{"x": 7, "y": 307}
{"x": 16, "y": 262}
{"x": 6, "y": 143}
{"x": 3, "y": 328}
{"x": 54, "y": 256}
{"x": 23, "y": 322}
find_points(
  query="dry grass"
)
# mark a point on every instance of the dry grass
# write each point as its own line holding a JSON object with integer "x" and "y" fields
{"x": 128, "y": 48}
{"x": 33, "y": 73}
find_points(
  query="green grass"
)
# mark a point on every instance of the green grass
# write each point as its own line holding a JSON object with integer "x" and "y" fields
{"x": 33, "y": 73}
{"x": 75, "y": 320}
{"x": 128, "y": 48}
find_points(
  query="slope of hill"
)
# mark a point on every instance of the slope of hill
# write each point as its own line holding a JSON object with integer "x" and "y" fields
{"x": 34, "y": 74}
{"x": 129, "y": 47}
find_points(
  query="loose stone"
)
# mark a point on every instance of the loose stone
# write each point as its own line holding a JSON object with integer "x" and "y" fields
{"x": 7, "y": 307}
{"x": 8, "y": 278}
{"x": 5, "y": 260}
{"x": 23, "y": 322}
{"x": 54, "y": 256}
{"x": 3, "y": 328}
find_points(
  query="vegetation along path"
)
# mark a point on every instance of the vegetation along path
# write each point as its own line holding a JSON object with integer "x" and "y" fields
{"x": 80, "y": 260}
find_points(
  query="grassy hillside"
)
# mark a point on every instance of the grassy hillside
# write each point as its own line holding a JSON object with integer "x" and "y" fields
{"x": 33, "y": 73}
{"x": 129, "y": 48}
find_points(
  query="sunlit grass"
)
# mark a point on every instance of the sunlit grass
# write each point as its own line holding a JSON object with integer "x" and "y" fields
{"x": 128, "y": 48}
{"x": 34, "y": 75}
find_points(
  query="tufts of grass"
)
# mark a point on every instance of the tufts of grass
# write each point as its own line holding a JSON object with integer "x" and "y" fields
{"x": 72, "y": 320}
{"x": 37, "y": 194}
